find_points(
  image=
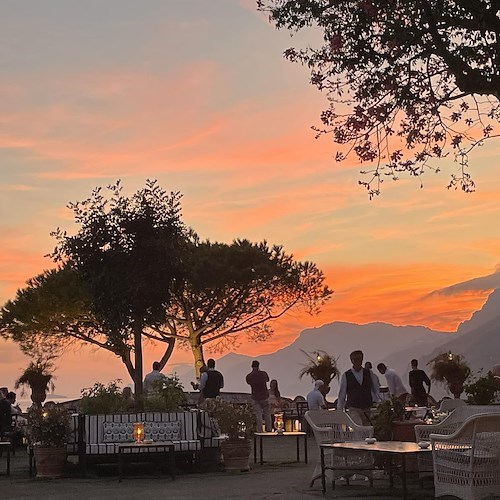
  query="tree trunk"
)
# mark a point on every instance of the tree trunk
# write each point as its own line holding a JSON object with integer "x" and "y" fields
{"x": 197, "y": 350}
{"x": 138, "y": 371}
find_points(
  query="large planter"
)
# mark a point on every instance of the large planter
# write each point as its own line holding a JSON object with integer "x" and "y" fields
{"x": 236, "y": 454}
{"x": 49, "y": 461}
{"x": 38, "y": 395}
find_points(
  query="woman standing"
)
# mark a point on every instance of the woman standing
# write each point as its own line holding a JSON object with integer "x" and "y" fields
{"x": 274, "y": 396}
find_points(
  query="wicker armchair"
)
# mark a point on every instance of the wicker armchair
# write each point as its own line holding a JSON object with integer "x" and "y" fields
{"x": 335, "y": 426}
{"x": 446, "y": 427}
{"x": 451, "y": 404}
{"x": 467, "y": 462}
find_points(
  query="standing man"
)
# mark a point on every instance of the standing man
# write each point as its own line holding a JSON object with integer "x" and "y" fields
{"x": 257, "y": 380}
{"x": 211, "y": 381}
{"x": 417, "y": 380}
{"x": 152, "y": 377}
{"x": 394, "y": 382}
{"x": 358, "y": 387}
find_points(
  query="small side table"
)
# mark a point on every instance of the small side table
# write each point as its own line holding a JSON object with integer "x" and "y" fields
{"x": 5, "y": 445}
{"x": 140, "y": 451}
{"x": 260, "y": 436}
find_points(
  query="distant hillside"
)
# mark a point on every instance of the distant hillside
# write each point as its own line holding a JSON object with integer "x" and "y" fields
{"x": 377, "y": 340}
{"x": 478, "y": 339}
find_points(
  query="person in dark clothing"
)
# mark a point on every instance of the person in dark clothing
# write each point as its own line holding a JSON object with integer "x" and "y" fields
{"x": 257, "y": 380}
{"x": 417, "y": 380}
{"x": 211, "y": 381}
{"x": 5, "y": 415}
{"x": 358, "y": 388}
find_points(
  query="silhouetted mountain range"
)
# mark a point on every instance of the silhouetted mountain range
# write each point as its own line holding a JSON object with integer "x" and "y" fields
{"x": 477, "y": 339}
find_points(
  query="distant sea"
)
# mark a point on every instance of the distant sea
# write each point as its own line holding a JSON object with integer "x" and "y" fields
{"x": 25, "y": 402}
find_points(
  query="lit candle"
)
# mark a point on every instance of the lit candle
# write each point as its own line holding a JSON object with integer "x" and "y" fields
{"x": 139, "y": 432}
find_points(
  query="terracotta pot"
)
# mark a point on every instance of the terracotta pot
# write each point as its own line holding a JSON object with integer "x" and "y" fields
{"x": 49, "y": 461}
{"x": 236, "y": 454}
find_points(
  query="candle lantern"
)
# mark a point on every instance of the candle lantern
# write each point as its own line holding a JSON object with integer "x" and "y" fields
{"x": 279, "y": 424}
{"x": 139, "y": 432}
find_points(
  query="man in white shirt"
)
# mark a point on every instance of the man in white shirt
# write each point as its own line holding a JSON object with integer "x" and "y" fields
{"x": 315, "y": 399}
{"x": 152, "y": 377}
{"x": 394, "y": 382}
{"x": 358, "y": 386}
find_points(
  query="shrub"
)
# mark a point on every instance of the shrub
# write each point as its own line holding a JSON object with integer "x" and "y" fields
{"x": 388, "y": 412}
{"x": 102, "y": 398}
{"x": 237, "y": 422}
{"x": 49, "y": 426}
{"x": 167, "y": 394}
{"x": 482, "y": 390}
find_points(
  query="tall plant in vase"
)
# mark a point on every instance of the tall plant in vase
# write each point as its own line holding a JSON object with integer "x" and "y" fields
{"x": 321, "y": 366}
{"x": 48, "y": 432}
{"x": 236, "y": 424}
{"x": 450, "y": 369}
{"x": 38, "y": 376}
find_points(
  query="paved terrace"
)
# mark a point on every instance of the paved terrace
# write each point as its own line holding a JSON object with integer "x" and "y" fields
{"x": 277, "y": 478}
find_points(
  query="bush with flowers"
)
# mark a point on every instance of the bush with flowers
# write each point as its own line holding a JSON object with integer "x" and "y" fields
{"x": 48, "y": 427}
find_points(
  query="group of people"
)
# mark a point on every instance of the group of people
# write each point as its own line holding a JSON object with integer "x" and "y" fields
{"x": 8, "y": 408}
{"x": 265, "y": 400}
{"x": 360, "y": 386}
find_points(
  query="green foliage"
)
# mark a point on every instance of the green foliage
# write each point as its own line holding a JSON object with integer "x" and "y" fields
{"x": 321, "y": 366}
{"x": 402, "y": 79}
{"x": 102, "y": 399}
{"x": 239, "y": 288}
{"x": 133, "y": 270}
{"x": 48, "y": 426}
{"x": 388, "y": 411}
{"x": 127, "y": 251}
{"x": 451, "y": 369}
{"x": 238, "y": 422}
{"x": 166, "y": 395}
{"x": 482, "y": 390}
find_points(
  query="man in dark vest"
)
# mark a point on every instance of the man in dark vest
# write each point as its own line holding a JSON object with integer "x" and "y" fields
{"x": 358, "y": 387}
{"x": 211, "y": 381}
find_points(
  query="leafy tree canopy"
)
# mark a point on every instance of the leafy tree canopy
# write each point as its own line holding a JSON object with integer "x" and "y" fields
{"x": 236, "y": 288}
{"x": 134, "y": 272}
{"x": 407, "y": 81}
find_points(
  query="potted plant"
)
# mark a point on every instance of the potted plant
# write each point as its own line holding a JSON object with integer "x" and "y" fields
{"x": 48, "y": 431}
{"x": 451, "y": 369}
{"x": 482, "y": 390}
{"x": 321, "y": 366}
{"x": 237, "y": 424}
{"x": 39, "y": 378}
{"x": 388, "y": 412}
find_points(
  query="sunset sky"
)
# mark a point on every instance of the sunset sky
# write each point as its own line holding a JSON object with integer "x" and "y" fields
{"x": 196, "y": 94}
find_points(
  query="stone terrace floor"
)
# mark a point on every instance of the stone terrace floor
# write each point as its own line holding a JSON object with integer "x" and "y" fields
{"x": 277, "y": 478}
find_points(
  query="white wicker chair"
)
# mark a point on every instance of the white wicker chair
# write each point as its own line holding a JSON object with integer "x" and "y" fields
{"x": 335, "y": 426}
{"x": 451, "y": 404}
{"x": 446, "y": 427}
{"x": 467, "y": 462}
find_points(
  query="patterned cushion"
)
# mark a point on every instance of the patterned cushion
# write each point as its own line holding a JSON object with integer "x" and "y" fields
{"x": 117, "y": 432}
{"x": 163, "y": 431}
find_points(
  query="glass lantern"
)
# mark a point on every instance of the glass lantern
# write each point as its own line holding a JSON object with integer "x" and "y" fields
{"x": 279, "y": 424}
{"x": 139, "y": 432}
